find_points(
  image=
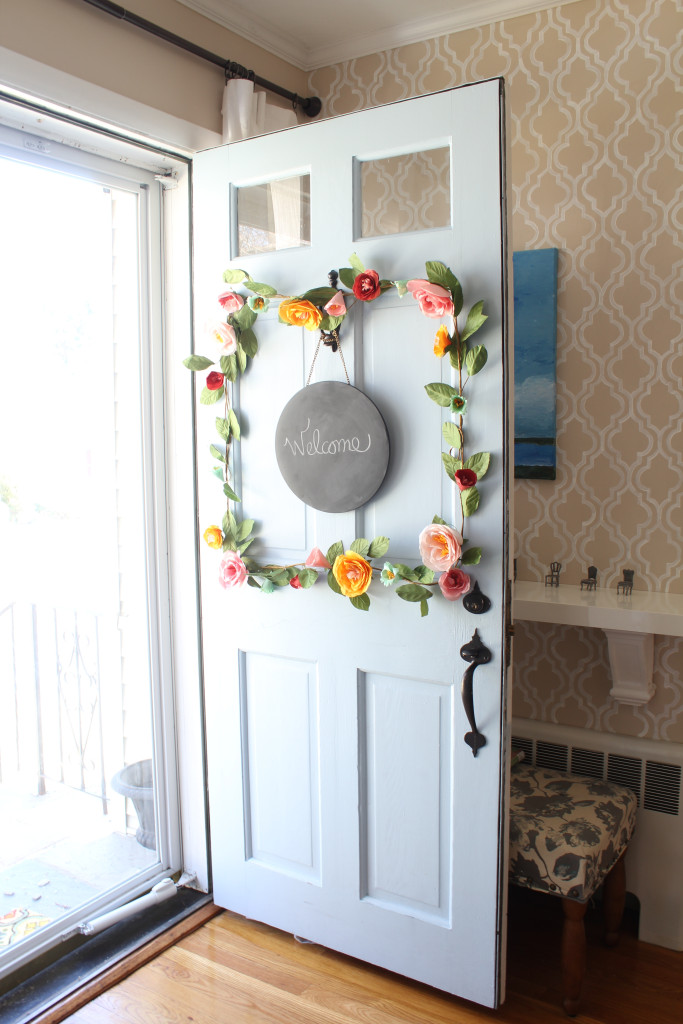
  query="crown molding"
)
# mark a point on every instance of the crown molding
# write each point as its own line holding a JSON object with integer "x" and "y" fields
{"x": 467, "y": 14}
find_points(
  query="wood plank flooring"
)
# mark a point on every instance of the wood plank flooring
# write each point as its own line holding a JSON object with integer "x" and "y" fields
{"x": 233, "y": 971}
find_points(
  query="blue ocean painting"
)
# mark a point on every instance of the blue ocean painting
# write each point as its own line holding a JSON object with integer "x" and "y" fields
{"x": 535, "y": 299}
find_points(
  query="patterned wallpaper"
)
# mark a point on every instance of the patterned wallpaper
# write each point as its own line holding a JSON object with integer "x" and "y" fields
{"x": 593, "y": 90}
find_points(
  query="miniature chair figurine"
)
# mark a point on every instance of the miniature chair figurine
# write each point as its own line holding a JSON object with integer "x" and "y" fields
{"x": 591, "y": 581}
{"x": 553, "y": 577}
{"x": 625, "y": 586}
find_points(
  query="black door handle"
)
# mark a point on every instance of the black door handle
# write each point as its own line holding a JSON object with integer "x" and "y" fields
{"x": 476, "y": 653}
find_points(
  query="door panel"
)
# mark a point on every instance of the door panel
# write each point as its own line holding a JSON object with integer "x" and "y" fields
{"x": 345, "y": 806}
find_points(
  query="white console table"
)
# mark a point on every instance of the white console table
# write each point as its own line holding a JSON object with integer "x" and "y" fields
{"x": 630, "y": 624}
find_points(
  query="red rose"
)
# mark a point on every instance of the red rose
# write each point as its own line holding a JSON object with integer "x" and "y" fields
{"x": 465, "y": 478}
{"x": 366, "y": 286}
{"x": 454, "y": 584}
{"x": 295, "y": 582}
{"x": 215, "y": 380}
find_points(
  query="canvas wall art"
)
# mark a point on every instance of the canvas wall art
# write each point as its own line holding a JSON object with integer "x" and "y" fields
{"x": 535, "y": 302}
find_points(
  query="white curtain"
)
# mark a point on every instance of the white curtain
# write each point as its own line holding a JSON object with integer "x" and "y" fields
{"x": 247, "y": 113}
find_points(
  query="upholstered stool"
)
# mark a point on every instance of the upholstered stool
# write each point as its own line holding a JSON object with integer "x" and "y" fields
{"x": 568, "y": 836}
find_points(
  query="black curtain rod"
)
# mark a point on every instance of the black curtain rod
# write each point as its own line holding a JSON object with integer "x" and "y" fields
{"x": 311, "y": 105}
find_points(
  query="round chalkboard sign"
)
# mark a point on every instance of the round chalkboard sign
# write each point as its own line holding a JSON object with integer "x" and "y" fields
{"x": 332, "y": 446}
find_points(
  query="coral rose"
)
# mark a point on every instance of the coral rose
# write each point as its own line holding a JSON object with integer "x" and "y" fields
{"x": 454, "y": 584}
{"x": 434, "y": 300}
{"x": 366, "y": 285}
{"x": 317, "y": 560}
{"x": 440, "y": 547}
{"x": 352, "y": 573}
{"x": 230, "y": 301}
{"x": 232, "y": 572}
{"x": 213, "y": 536}
{"x": 441, "y": 342}
{"x": 214, "y": 380}
{"x": 465, "y": 478}
{"x": 225, "y": 335}
{"x": 300, "y": 313}
{"x": 336, "y": 306}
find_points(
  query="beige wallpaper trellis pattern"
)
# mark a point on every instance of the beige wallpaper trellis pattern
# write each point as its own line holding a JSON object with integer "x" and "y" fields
{"x": 593, "y": 90}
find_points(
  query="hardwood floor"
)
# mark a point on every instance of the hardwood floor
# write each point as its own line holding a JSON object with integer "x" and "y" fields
{"x": 233, "y": 971}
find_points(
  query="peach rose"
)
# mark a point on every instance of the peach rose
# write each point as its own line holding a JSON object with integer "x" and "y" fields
{"x": 336, "y": 306}
{"x": 225, "y": 335}
{"x": 352, "y": 573}
{"x": 300, "y": 313}
{"x": 435, "y": 301}
{"x": 440, "y": 547}
{"x": 232, "y": 572}
{"x": 230, "y": 301}
{"x": 454, "y": 584}
{"x": 213, "y": 536}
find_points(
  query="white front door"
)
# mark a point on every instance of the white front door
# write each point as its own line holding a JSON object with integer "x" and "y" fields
{"x": 346, "y": 806}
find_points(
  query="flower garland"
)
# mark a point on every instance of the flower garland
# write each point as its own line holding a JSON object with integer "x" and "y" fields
{"x": 350, "y": 572}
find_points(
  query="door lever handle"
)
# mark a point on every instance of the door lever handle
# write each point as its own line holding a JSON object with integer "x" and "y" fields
{"x": 476, "y": 653}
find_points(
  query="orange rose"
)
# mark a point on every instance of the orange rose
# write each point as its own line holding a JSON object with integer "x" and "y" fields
{"x": 213, "y": 536}
{"x": 441, "y": 341}
{"x": 352, "y": 573}
{"x": 300, "y": 313}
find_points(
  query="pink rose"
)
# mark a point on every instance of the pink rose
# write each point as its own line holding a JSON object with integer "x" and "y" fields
{"x": 434, "y": 300}
{"x": 232, "y": 572}
{"x": 440, "y": 547}
{"x": 317, "y": 560}
{"x": 230, "y": 301}
{"x": 225, "y": 335}
{"x": 454, "y": 584}
{"x": 366, "y": 285}
{"x": 465, "y": 478}
{"x": 336, "y": 306}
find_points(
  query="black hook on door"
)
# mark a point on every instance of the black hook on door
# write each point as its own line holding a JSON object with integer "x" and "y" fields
{"x": 476, "y": 653}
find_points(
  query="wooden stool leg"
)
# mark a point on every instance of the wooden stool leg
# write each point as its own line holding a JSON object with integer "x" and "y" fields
{"x": 614, "y": 897}
{"x": 573, "y": 954}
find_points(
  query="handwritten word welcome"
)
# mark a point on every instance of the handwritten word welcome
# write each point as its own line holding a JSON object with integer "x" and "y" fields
{"x": 314, "y": 446}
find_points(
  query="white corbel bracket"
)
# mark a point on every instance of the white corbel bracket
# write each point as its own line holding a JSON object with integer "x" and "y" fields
{"x": 631, "y": 659}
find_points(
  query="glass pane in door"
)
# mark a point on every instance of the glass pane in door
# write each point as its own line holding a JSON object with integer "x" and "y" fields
{"x": 76, "y": 793}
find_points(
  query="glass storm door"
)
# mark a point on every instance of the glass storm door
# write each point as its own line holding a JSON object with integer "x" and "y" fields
{"x": 345, "y": 805}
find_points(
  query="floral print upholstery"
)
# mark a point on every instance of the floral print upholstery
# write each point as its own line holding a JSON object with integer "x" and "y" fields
{"x": 566, "y": 832}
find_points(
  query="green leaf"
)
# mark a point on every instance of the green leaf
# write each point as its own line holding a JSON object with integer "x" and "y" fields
{"x": 361, "y": 546}
{"x": 248, "y": 342}
{"x": 241, "y": 358}
{"x": 347, "y": 276}
{"x": 330, "y": 323}
{"x": 229, "y": 544}
{"x": 319, "y": 296}
{"x": 440, "y": 521}
{"x": 362, "y": 602}
{"x": 226, "y": 526}
{"x": 197, "y": 362}
{"x": 470, "y": 500}
{"x": 455, "y": 354}
{"x": 280, "y": 579}
{"x": 251, "y": 582}
{"x": 378, "y": 547}
{"x": 244, "y": 545}
{"x": 223, "y": 428}
{"x": 307, "y": 577}
{"x": 471, "y": 557}
{"x": 232, "y": 523}
{"x": 424, "y": 608}
{"x": 332, "y": 583}
{"x": 356, "y": 263}
{"x": 451, "y": 434}
{"x": 229, "y": 493}
{"x": 244, "y": 529}
{"x": 217, "y": 453}
{"x": 266, "y": 290}
{"x": 440, "y": 393}
{"x": 479, "y": 462}
{"x": 229, "y": 367}
{"x": 234, "y": 424}
{"x": 450, "y": 464}
{"x": 211, "y": 397}
{"x": 414, "y": 593}
{"x": 438, "y": 273}
{"x": 244, "y": 317}
{"x": 404, "y": 572}
{"x": 475, "y": 360}
{"x": 235, "y": 276}
{"x": 423, "y": 574}
{"x": 334, "y": 551}
{"x": 475, "y": 319}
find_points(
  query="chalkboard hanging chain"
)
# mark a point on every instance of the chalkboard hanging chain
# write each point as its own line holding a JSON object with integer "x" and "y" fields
{"x": 335, "y": 348}
{"x": 346, "y": 372}
{"x": 317, "y": 349}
